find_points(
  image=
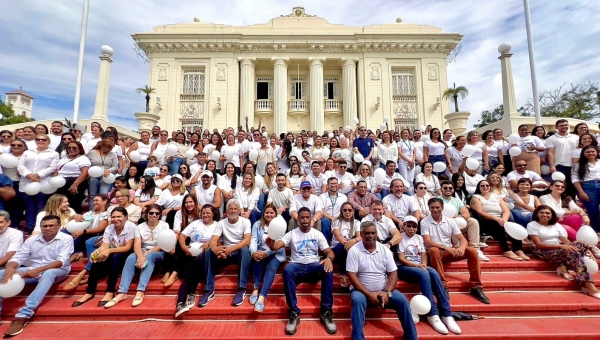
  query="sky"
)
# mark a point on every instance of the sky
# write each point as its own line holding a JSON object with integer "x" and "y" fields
{"x": 40, "y": 43}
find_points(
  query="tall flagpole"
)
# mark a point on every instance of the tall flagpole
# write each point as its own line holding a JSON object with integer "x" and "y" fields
{"x": 536, "y": 100}
{"x": 84, "y": 19}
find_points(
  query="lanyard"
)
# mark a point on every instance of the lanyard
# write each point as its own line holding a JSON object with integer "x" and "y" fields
{"x": 333, "y": 202}
{"x": 408, "y": 145}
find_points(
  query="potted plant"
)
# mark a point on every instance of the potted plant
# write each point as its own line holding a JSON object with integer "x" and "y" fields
{"x": 147, "y": 90}
{"x": 454, "y": 92}
{"x": 457, "y": 120}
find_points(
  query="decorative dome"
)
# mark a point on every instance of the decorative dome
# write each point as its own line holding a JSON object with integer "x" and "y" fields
{"x": 106, "y": 50}
{"x": 504, "y": 48}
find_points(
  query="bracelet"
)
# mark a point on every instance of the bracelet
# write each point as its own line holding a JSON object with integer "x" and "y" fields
{"x": 329, "y": 258}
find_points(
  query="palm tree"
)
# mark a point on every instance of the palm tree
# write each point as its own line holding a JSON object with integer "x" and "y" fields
{"x": 147, "y": 90}
{"x": 454, "y": 93}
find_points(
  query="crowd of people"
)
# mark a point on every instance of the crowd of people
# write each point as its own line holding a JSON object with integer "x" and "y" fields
{"x": 370, "y": 205}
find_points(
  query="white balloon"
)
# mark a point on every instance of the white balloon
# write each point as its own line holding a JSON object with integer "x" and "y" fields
{"x": 57, "y": 182}
{"x": 348, "y": 128}
{"x": 514, "y": 138}
{"x": 460, "y": 222}
{"x": 449, "y": 210}
{"x": 325, "y": 154}
{"x": 265, "y": 134}
{"x": 545, "y": 169}
{"x": 277, "y": 228}
{"x": 158, "y": 154}
{"x": 514, "y": 151}
{"x": 588, "y": 235}
{"x": 196, "y": 248}
{"x": 135, "y": 156}
{"x": 591, "y": 264}
{"x": 379, "y": 175}
{"x": 558, "y": 176}
{"x": 215, "y": 155}
{"x": 95, "y": 171}
{"x": 246, "y": 146}
{"x": 472, "y": 164}
{"x": 358, "y": 158}
{"x": 109, "y": 179}
{"x": 417, "y": 169}
{"x": 382, "y": 127}
{"x": 468, "y": 150}
{"x": 32, "y": 188}
{"x": 259, "y": 182}
{"x": 420, "y": 304}
{"x": 439, "y": 167}
{"x": 229, "y": 153}
{"x": 253, "y": 155}
{"x": 171, "y": 149}
{"x": 346, "y": 153}
{"x": 355, "y": 120}
{"x": 510, "y": 206}
{"x": 347, "y": 188}
{"x": 515, "y": 231}
{"x": 46, "y": 188}
{"x": 189, "y": 154}
{"x": 73, "y": 225}
{"x": 367, "y": 163}
{"x": 386, "y": 119}
{"x": 424, "y": 138}
{"x": 13, "y": 287}
{"x": 8, "y": 160}
{"x": 415, "y": 317}
{"x": 166, "y": 240}
{"x": 422, "y": 128}
{"x": 330, "y": 135}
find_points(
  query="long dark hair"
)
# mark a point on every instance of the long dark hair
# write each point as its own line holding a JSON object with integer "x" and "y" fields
{"x": 594, "y": 140}
{"x": 583, "y": 162}
{"x": 186, "y": 217}
{"x": 150, "y": 186}
{"x": 463, "y": 189}
{"x": 234, "y": 177}
{"x": 136, "y": 178}
{"x": 62, "y": 146}
{"x": 214, "y": 171}
{"x": 287, "y": 147}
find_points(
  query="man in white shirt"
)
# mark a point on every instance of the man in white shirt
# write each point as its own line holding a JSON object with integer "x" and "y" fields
{"x": 390, "y": 176}
{"x": 418, "y": 147}
{"x": 308, "y": 200}
{"x": 10, "y": 239}
{"x": 155, "y": 137}
{"x": 56, "y": 131}
{"x": 437, "y": 231}
{"x": 236, "y": 233}
{"x": 387, "y": 233}
{"x": 281, "y": 197}
{"x": 200, "y": 166}
{"x": 317, "y": 179}
{"x": 344, "y": 178}
{"x": 306, "y": 266}
{"x": 207, "y": 192}
{"x": 372, "y": 273}
{"x": 49, "y": 254}
{"x": 560, "y": 146}
{"x": 398, "y": 205}
{"x": 332, "y": 202}
{"x": 472, "y": 178}
{"x": 521, "y": 172}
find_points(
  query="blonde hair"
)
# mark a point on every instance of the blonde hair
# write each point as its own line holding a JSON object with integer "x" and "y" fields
{"x": 251, "y": 189}
{"x": 53, "y": 208}
{"x": 125, "y": 192}
{"x": 268, "y": 179}
{"x": 182, "y": 188}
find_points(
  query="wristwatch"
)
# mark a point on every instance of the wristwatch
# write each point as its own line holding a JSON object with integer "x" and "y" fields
{"x": 389, "y": 294}
{"x": 390, "y": 244}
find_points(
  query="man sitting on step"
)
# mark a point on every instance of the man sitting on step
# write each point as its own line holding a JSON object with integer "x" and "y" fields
{"x": 10, "y": 239}
{"x": 236, "y": 233}
{"x": 306, "y": 199}
{"x": 305, "y": 266}
{"x": 49, "y": 254}
{"x": 372, "y": 273}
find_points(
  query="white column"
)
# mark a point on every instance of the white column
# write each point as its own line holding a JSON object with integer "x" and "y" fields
{"x": 101, "y": 107}
{"x": 280, "y": 93}
{"x": 349, "y": 90}
{"x": 362, "y": 116}
{"x": 317, "y": 112}
{"x": 247, "y": 83}
{"x": 508, "y": 86}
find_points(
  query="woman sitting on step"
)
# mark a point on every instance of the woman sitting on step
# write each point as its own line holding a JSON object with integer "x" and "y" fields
{"x": 552, "y": 246}
{"x": 346, "y": 233}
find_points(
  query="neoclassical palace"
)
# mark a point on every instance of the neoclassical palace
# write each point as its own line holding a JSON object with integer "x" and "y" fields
{"x": 296, "y": 72}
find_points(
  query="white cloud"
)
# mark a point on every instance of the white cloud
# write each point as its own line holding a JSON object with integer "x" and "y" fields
{"x": 41, "y": 43}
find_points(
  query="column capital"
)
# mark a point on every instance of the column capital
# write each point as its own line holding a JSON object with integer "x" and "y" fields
{"x": 505, "y": 55}
{"x": 280, "y": 61}
{"x": 316, "y": 60}
{"x": 246, "y": 61}
{"x": 105, "y": 57}
{"x": 349, "y": 61}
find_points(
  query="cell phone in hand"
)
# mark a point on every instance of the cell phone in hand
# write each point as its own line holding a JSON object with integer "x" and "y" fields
{"x": 380, "y": 298}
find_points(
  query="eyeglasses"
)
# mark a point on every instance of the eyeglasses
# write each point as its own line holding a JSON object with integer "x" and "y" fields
{"x": 175, "y": 181}
{"x": 49, "y": 226}
{"x": 347, "y": 210}
{"x": 72, "y": 148}
{"x": 343, "y": 167}
{"x": 364, "y": 169}
{"x": 406, "y": 225}
{"x": 16, "y": 146}
{"x": 41, "y": 140}
{"x": 559, "y": 186}
{"x": 445, "y": 189}
{"x": 485, "y": 186}
{"x": 154, "y": 213}
{"x": 7, "y": 136}
{"x": 164, "y": 135}
{"x": 164, "y": 170}
{"x": 521, "y": 165}
{"x": 422, "y": 188}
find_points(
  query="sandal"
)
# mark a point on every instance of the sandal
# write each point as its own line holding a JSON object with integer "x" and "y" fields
{"x": 565, "y": 275}
{"x": 585, "y": 291}
{"x": 344, "y": 281}
{"x": 75, "y": 282}
{"x": 137, "y": 301}
{"x": 114, "y": 301}
{"x": 75, "y": 257}
{"x": 522, "y": 255}
{"x": 512, "y": 256}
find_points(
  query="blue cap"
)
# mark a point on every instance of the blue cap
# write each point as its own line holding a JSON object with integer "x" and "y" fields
{"x": 305, "y": 184}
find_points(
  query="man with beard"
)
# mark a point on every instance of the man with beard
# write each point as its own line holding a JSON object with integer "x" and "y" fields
{"x": 398, "y": 205}
{"x": 207, "y": 192}
{"x": 281, "y": 197}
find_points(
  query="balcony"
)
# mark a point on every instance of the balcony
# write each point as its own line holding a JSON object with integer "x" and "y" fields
{"x": 298, "y": 106}
{"x": 263, "y": 106}
{"x": 333, "y": 106}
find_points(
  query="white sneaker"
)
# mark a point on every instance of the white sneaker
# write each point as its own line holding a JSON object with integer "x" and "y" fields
{"x": 451, "y": 324}
{"x": 596, "y": 252}
{"x": 481, "y": 256}
{"x": 415, "y": 317}
{"x": 483, "y": 245}
{"x": 437, "y": 324}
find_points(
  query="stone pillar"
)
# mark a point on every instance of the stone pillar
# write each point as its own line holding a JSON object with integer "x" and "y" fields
{"x": 508, "y": 86}
{"x": 349, "y": 91}
{"x": 317, "y": 110}
{"x": 101, "y": 107}
{"x": 247, "y": 96}
{"x": 280, "y": 93}
{"x": 360, "y": 86}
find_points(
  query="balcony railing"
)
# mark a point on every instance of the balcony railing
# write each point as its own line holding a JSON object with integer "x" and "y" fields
{"x": 263, "y": 106}
{"x": 298, "y": 106}
{"x": 333, "y": 106}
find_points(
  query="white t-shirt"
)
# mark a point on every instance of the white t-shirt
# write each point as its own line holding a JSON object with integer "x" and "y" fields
{"x": 152, "y": 171}
{"x": 179, "y": 219}
{"x": 149, "y": 237}
{"x": 435, "y": 149}
{"x": 115, "y": 241}
{"x": 316, "y": 181}
{"x": 72, "y": 167}
{"x": 528, "y": 141}
{"x": 440, "y": 232}
{"x": 344, "y": 228}
{"x": 305, "y": 246}
{"x": 547, "y": 235}
{"x": 198, "y": 232}
{"x": 471, "y": 182}
{"x": 167, "y": 200}
{"x": 233, "y": 233}
{"x": 514, "y": 175}
{"x": 412, "y": 247}
{"x": 10, "y": 240}
{"x": 145, "y": 197}
{"x": 314, "y": 204}
{"x": 333, "y": 204}
{"x": 371, "y": 268}
{"x": 280, "y": 198}
{"x": 400, "y": 207}
{"x": 237, "y": 152}
{"x": 41, "y": 214}
{"x": 54, "y": 141}
{"x": 384, "y": 226}
{"x": 563, "y": 146}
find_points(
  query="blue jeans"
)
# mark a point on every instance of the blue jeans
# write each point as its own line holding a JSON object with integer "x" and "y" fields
{"x": 430, "y": 284}
{"x": 384, "y": 193}
{"x": 592, "y": 189}
{"x": 174, "y": 165}
{"x": 97, "y": 186}
{"x": 521, "y": 219}
{"x": 240, "y": 257}
{"x": 33, "y": 205}
{"x": 295, "y": 273}
{"x": 340, "y": 257}
{"x": 16, "y": 206}
{"x": 44, "y": 283}
{"x": 89, "y": 249}
{"x": 437, "y": 158}
{"x": 398, "y": 302}
{"x": 269, "y": 265}
{"x": 326, "y": 228}
{"x": 153, "y": 258}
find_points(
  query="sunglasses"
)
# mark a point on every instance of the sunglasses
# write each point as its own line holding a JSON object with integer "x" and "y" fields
{"x": 67, "y": 139}
{"x": 7, "y": 136}
{"x": 559, "y": 186}
{"x": 410, "y": 226}
{"x": 41, "y": 140}
{"x": 343, "y": 167}
{"x": 176, "y": 181}
{"x": 422, "y": 188}
{"x": 347, "y": 210}
{"x": 485, "y": 185}
{"x": 72, "y": 148}
{"x": 16, "y": 146}
{"x": 164, "y": 170}
{"x": 305, "y": 189}
{"x": 445, "y": 189}
{"x": 164, "y": 135}
{"x": 154, "y": 213}
{"x": 521, "y": 165}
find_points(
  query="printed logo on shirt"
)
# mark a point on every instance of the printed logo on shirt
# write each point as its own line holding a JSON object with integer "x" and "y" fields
{"x": 196, "y": 236}
{"x": 412, "y": 253}
{"x": 307, "y": 248}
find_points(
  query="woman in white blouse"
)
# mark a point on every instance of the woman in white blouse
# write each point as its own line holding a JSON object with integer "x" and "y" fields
{"x": 447, "y": 137}
{"x": 387, "y": 150}
{"x": 530, "y": 147}
{"x": 171, "y": 199}
{"x": 317, "y": 149}
{"x": 524, "y": 204}
{"x": 346, "y": 233}
{"x": 571, "y": 216}
{"x": 15, "y": 206}
{"x": 36, "y": 165}
{"x": 584, "y": 140}
{"x": 434, "y": 149}
{"x": 344, "y": 153}
{"x": 188, "y": 213}
{"x": 163, "y": 180}
{"x": 228, "y": 182}
{"x": 551, "y": 245}
{"x": 481, "y": 153}
{"x": 407, "y": 154}
{"x": 117, "y": 243}
{"x": 295, "y": 178}
{"x": 234, "y": 151}
{"x": 429, "y": 179}
{"x": 179, "y": 157}
{"x": 143, "y": 146}
{"x": 454, "y": 155}
{"x": 159, "y": 148}
{"x": 266, "y": 155}
{"x": 147, "y": 194}
{"x": 146, "y": 256}
{"x": 364, "y": 174}
{"x": 586, "y": 179}
{"x": 494, "y": 153}
{"x": 248, "y": 195}
{"x": 74, "y": 169}
{"x": 422, "y": 196}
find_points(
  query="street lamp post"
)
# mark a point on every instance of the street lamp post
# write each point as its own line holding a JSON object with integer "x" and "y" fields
{"x": 536, "y": 101}
{"x": 86, "y": 7}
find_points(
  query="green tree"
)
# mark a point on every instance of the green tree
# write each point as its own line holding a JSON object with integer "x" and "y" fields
{"x": 491, "y": 116}
{"x": 147, "y": 90}
{"x": 580, "y": 101}
{"x": 9, "y": 116}
{"x": 454, "y": 92}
